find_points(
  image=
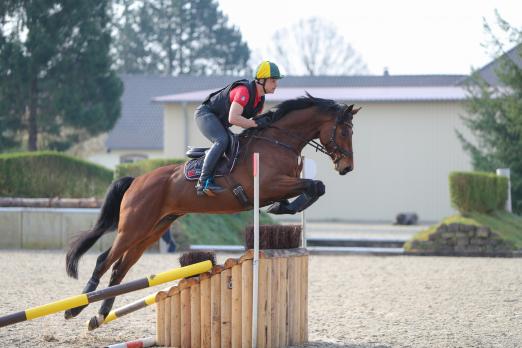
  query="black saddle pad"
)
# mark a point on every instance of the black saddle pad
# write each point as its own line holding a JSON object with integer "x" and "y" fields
{"x": 225, "y": 165}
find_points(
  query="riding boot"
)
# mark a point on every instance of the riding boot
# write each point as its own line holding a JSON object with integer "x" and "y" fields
{"x": 206, "y": 184}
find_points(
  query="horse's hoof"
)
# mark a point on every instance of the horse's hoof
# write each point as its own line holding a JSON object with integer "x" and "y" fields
{"x": 95, "y": 322}
{"x": 280, "y": 208}
{"x": 68, "y": 314}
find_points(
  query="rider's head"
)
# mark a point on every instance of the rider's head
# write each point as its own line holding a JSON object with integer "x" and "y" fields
{"x": 267, "y": 74}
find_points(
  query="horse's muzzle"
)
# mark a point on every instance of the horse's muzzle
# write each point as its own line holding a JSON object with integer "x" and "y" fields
{"x": 346, "y": 170}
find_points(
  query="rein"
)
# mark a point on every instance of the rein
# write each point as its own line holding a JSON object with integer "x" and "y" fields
{"x": 275, "y": 142}
{"x": 313, "y": 143}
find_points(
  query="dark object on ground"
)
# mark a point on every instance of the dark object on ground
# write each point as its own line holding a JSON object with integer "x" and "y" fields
{"x": 192, "y": 257}
{"x": 406, "y": 219}
{"x": 274, "y": 236}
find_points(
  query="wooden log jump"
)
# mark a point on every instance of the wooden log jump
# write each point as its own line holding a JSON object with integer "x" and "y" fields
{"x": 98, "y": 295}
{"x": 215, "y": 309}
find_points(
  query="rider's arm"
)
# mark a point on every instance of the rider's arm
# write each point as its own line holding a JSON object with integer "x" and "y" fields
{"x": 235, "y": 118}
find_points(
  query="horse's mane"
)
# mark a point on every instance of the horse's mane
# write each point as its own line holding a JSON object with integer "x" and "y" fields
{"x": 282, "y": 109}
{"x": 307, "y": 101}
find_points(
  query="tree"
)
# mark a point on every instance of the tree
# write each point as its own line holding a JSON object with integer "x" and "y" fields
{"x": 175, "y": 37}
{"x": 495, "y": 113}
{"x": 56, "y": 82}
{"x": 314, "y": 47}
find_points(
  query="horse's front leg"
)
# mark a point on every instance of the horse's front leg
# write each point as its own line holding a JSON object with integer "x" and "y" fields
{"x": 310, "y": 192}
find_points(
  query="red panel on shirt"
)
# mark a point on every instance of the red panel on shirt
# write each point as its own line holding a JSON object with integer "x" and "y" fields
{"x": 240, "y": 95}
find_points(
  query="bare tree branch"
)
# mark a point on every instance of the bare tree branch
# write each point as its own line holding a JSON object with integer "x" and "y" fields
{"x": 314, "y": 47}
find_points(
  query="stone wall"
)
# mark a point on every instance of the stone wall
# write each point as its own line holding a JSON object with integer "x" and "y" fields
{"x": 462, "y": 240}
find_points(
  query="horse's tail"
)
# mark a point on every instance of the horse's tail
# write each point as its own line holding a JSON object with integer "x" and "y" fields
{"x": 107, "y": 221}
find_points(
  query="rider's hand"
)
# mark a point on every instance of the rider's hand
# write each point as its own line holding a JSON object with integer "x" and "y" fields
{"x": 262, "y": 122}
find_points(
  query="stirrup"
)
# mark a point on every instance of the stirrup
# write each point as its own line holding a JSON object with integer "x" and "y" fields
{"x": 210, "y": 188}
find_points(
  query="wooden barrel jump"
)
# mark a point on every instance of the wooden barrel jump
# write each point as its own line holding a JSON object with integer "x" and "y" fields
{"x": 214, "y": 309}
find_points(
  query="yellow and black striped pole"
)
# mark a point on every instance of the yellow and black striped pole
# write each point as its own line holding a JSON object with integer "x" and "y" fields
{"x": 113, "y": 291}
{"x": 127, "y": 309}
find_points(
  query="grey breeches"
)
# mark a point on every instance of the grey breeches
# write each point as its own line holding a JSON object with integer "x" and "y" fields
{"x": 209, "y": 124}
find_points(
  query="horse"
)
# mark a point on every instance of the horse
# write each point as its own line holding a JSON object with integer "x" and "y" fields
{"x": 141, "y": 209}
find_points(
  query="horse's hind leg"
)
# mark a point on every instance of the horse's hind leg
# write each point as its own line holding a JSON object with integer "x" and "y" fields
{"x": 122, "y": 267}
{"x": 91, "y": 285}
{"x": 122, "y": 243}
{"x": 119, "y": 270}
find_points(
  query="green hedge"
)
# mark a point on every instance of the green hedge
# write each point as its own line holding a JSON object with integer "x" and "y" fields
{"x": 477, "y": 191}
{"x": 141, "y": 167}
{"x": 51, "y": 174}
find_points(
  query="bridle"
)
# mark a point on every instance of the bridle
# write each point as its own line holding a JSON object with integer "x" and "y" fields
{"x": 340, "y": 120}
{"x": 335, "y": 148}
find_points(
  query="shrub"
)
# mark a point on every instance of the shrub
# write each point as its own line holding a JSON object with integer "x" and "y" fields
{"x": 51, "y": 174}
{"x": 477, "y": 191}
{"x": 142, "y": 167}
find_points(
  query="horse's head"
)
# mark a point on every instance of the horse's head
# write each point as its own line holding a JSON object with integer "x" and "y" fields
{"x": 336, "y": 137}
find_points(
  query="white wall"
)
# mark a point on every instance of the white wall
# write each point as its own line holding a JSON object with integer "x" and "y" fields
{"x": 404, "y": 153}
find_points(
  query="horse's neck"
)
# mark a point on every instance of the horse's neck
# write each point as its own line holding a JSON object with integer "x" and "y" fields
{"x": 298, "y": 127}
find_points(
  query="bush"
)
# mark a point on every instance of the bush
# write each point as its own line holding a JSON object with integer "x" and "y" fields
{"x": 142, "y": 167}
{"x": 51, "y": 174}
{"x": 477, "y": 191}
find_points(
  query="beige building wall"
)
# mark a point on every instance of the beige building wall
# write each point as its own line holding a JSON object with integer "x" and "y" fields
{"x": 178, "y": 121}
{"x": 403, "y": 155}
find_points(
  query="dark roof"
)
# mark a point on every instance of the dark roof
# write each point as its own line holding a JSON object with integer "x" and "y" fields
{"x": 141, "y": 123}
{"x": 488, "y": 72}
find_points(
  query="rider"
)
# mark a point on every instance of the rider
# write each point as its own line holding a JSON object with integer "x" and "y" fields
{"x": 234, "y": 104}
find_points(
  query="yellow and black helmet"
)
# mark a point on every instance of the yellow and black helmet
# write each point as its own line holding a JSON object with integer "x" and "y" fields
{"x": 267, "y": 70}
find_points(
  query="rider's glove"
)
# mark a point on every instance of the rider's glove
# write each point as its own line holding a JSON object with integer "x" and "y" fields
{"x": 262, "y": 122}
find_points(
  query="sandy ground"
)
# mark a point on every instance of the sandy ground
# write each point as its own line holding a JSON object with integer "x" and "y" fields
{"x": 355, "y": 301}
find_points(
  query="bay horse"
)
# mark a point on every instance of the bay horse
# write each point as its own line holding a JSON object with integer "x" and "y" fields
{"x": 141, "y": 209}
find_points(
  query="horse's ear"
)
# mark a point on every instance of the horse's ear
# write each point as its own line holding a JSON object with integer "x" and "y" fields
{"x": 356, "y": 110}
{"x": 349, "y": 108}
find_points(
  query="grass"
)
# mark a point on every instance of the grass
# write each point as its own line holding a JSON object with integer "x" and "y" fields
{"x": 226, "y": 229}
{"x": 506, "y": 225}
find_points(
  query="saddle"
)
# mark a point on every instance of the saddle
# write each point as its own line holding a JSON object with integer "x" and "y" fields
{"x": 225, "y": 165}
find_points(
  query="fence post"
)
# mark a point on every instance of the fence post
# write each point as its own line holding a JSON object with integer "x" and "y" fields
{"x": 507, "y": 173}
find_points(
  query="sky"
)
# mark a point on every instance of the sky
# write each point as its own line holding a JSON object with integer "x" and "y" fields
{"x": 405, "y": 36}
